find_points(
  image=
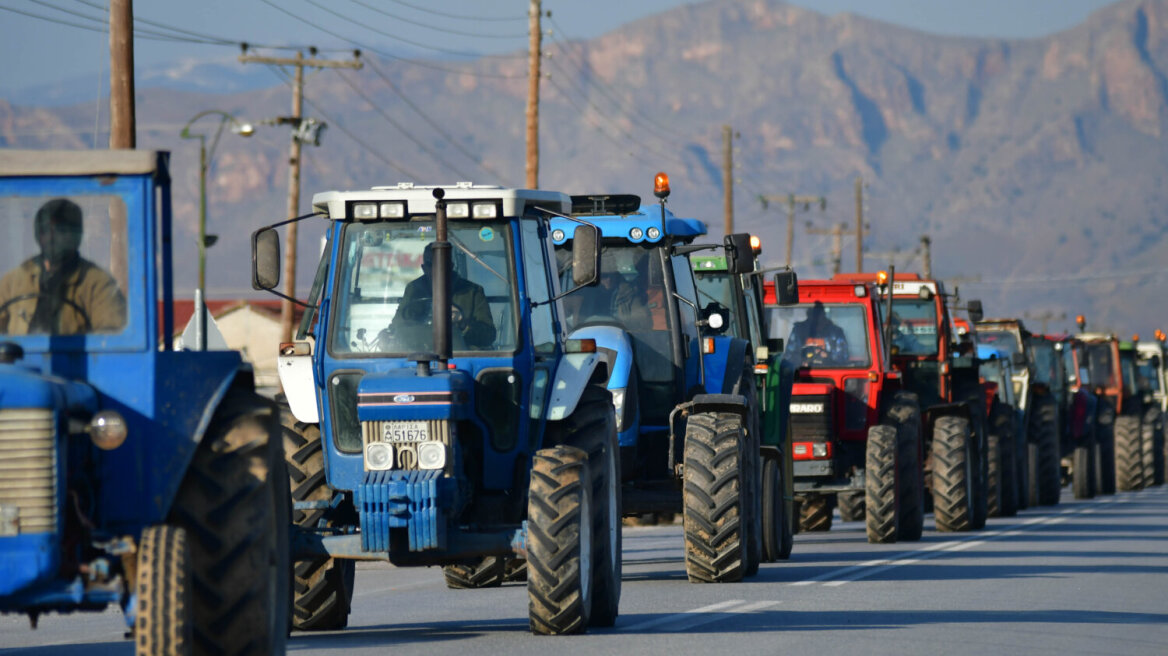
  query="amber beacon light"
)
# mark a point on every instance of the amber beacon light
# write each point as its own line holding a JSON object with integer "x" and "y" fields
{"x": 661, "y": 185}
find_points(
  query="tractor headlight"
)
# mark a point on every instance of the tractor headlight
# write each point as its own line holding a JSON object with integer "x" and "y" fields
{"x": 107, "y": 429}
{"x": 457, "y": 210}
{"x": 431, "y": 455}
{"x": 395, "y": 210}
{"x": 364, "y": 211}
{"x": 618, "y": 406}
{"x": 485, "y": 211}
{"x": 654, "y": 233}
{"x": 557, "y": 235}
{"x": 378, "y": 456}
{"x": 636, "y": 233}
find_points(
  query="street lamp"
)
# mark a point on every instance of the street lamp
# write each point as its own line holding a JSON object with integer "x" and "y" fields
{"x": 205, "y": 240}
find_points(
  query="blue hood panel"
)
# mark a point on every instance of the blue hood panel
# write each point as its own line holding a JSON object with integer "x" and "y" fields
{"x": 401, "y": 394}
{"x": 21, "y": 387}
{"x": 616, "y": 340}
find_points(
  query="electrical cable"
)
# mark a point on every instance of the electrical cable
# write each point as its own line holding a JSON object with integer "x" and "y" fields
{"x": 438, "y": 29}
{"x": 459, "y": 16}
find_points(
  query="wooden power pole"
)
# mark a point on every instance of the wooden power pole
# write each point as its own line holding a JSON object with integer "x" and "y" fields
{"x": 535, "y": 38}
{"x": 793, "y": 201}
{"x": 859, "y": 224}
{"x": 837, "y": 243}
{"x": 299, "y": 62}
{"x": 728, "y": 178}
{"x": 123, "y": 122}
{"x": 926, "y": 257}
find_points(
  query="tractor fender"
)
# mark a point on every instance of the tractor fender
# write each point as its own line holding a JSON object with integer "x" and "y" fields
{"x": 573, "y": 374}
{"x": 725, "y": 365}
{"x": 298, "y": 378}
{"x": 733, "y": 403}
{"x": 933, "y": 413}
{"x": 615, "y": 348}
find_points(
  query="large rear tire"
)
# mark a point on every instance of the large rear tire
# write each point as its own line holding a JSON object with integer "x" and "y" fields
{"x": 881, "y": 492}
{"x": 1003, "y": 498}
{"x": 235, "y": 509}
{"x": 592, "y": 429}
{"x": 953, "y": 474}
{"x": 162, "y": 619}
{"x": 773, "y": 517}
{"x": 1047, "y": 481}
{"x": 486, "y": 572}
{"x": 1129, "y": 462}
{"x": 713, "y": 498}
{"x": 559, "y": 542}
{"x": 1083, "y": 471}
{"x": 906, "y": 415}
{"x": 1152, "y": 446}
{"x": 815, "y": 513}
{"x": 322, "y": 588}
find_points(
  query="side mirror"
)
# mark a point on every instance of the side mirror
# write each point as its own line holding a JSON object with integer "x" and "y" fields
{"x": 586, "y": 255}
{"x": 786, "y": 288}
{"x": 975, "y": 313}
{"x": 739, "y": 254}
{"x": 1019, "y": 360}
{"x": 265, "y": 259}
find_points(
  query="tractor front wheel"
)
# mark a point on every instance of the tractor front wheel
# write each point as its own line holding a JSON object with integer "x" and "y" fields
{"x": 162, "y": 619}
{"x": 559, "y": 541}
{"x": 953, "y": 474}
{"x": 881, "y": 492}
{"x": 714, "y": 499}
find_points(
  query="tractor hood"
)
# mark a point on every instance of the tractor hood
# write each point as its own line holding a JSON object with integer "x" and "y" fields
{"x": 615, "y": 348}
{"x": 22, "y": 387}
{"x": 401, "y": 394}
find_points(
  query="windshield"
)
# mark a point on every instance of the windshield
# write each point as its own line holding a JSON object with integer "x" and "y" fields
{"x": 1100, "y": 365}
{"x": 992, "y": 372}
{"x": 384, "y": 291}
{"x": 631, "y": 291}
{"x": 1046, "y": 363}
{"x": 65, "y": 271}
{"x": 1148, "y": 376}
{"x": 830, "y": 335}
{"x": 1003, "y": 340}
{"x": 716, "y": 293}
{"x": 914, "y": 326}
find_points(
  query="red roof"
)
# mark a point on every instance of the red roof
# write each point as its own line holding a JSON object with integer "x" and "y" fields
{"x": 184, "y": 309}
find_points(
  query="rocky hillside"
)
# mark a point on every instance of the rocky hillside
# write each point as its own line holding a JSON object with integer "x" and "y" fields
{"x": 1037, "y": 166}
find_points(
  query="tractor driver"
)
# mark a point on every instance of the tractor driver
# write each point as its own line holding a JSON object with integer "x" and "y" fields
{"x": 59, "y": 292}
{"x": 470, "y": 314}
{"x": 818, "y": 338}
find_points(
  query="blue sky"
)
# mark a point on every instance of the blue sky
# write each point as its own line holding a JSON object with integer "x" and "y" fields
{"x": 36, "y": 50}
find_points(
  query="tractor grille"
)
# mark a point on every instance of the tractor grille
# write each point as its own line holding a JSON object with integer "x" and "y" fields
{"x": 405, "y": 453}
{"x": 807, "y": 425}
{"x": 28, "y": 472}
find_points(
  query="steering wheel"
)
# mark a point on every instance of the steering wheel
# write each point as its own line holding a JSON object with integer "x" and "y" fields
{"x": 73, "y": 304}
{"x": 814, "y": 353}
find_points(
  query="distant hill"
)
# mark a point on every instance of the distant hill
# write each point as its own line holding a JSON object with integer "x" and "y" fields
{"x": 1037, "y": 166}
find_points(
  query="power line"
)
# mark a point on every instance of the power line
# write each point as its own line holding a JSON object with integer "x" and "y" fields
{"x": 1069, "y": 278}
{"x": 431, "y": 122}
{"x": 390, "y": 35}
{"x": 435, "y": 12}
{"x": 445, "y": 30}
{"x": 388, "y": 55}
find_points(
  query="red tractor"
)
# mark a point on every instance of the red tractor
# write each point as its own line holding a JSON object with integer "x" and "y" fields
{"x": 855, "y": 431}
{"x": 941, "y": 369}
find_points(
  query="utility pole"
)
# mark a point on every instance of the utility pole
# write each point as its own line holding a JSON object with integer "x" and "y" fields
{"x": 728, "y": 179}
{"x": 793, "y": 200}
{"x": 535, "y": 39}
{"x": 123, "y": 122}
{"x": 837, "y": 243}
{"x": 927, "y": 257}
{"x": 299, "y": 62}
{"x": 859, "y": 224}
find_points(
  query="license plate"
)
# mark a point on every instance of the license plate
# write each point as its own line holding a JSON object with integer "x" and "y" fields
{"x": 406, "y": 431}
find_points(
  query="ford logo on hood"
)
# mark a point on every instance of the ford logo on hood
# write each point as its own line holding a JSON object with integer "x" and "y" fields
{"x": 403, "y": 398}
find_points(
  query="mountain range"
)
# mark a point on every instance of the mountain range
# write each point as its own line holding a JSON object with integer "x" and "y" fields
{"x": 1037, "y": 167}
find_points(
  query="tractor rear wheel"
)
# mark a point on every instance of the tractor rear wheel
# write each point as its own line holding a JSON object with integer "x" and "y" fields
{"x": 953, "y": 474}
{"x": 322, "y": 588}
{"x": 1083, "y": 471}
{"x": 774, "y": 519}
{"x": 713, "y": 498}
{"x": 592, "y": 429}
{"x": 559, "y": 541}
{"x": 906, "y": 414}
{"x": 1152, "y": 446}
{"x": 1129, "y": 463}
{"x": 235, "y": 509}
{"x": 486, "y": 572}
{"x": 815, "y": 513}
{"x": 162, "y": 619}
{"x": 1003, "y": 498}
{"x": 1105, "y": 449}
{"x": 881, "y": 492}
{"x": 851, "y": 505}
{"x": 1046, "y": 478}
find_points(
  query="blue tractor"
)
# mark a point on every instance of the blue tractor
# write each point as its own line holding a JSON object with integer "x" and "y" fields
{"x": 685, "y": 399}
{"x": 438, "y": 413}
{"x": 130, "y": 473}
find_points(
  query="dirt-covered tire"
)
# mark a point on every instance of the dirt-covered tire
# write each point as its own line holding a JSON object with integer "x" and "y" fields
{"x": 953, "y": 474}
{"x": 905, "y": 413}
{"x": 1105, "y": 449}
{"x": 322, "y": 588}
{"x": 234, "y": 506}
{"x": 1152, "y": 446}
{"x": 1129, "y": 462}
{"x": 559, "y": 541}
{"x": 773, "y": 516}
{"x": 1003, "y": 497}
{"x": 815, "y": 513}
{"x": 486, "y": 572}
{"x": 1083, "y": 471}
{"x": 1046, "y": 478}
{"x": 713, "y": 501}
{"x": 592, "y": 429}
{"x": 515, "y": 571}
{"x": 851, "y": 505}
{"x": 980, "y": 510}
{"x": 162, "y": 619}
{"x": 881, "y": 492}
{"x": 752, "y": 466}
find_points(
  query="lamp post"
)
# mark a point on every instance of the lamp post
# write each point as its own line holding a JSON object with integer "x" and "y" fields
{"x": 205, "y": 240}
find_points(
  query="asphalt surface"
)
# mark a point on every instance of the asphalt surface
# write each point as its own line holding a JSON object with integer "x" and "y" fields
{"x": 1083, "y": 577}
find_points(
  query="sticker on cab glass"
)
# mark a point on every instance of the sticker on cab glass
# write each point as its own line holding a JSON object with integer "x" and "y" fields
{"x": 486, "y": 233}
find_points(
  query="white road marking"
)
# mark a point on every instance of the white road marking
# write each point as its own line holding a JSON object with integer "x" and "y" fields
{"x": 712, "y": 608}
{"x": 700, "y": 616}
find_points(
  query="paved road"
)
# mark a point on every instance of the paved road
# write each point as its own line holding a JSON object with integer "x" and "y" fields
{"x": 1080, "y": 578}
